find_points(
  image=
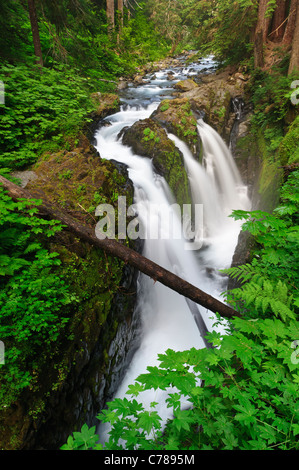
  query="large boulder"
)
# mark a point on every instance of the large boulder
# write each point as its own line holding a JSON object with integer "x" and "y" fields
{"x": 178, "y": 118}
{"x": 212, "y": 99}
{"x": 185, "y": 85}
{"x": 148, "y": 138}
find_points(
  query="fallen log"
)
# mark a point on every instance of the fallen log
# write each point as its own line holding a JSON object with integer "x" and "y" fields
{"x": 116, "y": 249}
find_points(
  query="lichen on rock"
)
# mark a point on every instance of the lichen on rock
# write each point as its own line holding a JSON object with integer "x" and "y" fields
{"x": 211, "y": 98}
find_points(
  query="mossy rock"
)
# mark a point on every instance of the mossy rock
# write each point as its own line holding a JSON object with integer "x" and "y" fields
{"x": 79, "y": 180}
{"x": 106, "y": 103}
{"x": 185, "y": 85}
{"x": 288, "y": 152}
{"x": 177, "y": 117}
{"x": 147, "y": 138}
{"x": 211, "y": 100}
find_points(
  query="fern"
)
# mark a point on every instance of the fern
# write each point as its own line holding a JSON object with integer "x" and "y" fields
{"x": 242, "y": 273}
{"x": 266, "y": 298}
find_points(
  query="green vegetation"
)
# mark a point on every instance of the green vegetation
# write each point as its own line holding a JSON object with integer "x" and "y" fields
{"x": 288, "y": 151}
{"x": 34, "y": 300}
{"x": 41, "y": 112}
{"x": 45, "y": 109}
{"x": 150, "y": 135}
{"x": 215, "y": 27}
{"x": 243, "y": 394}
{"x": 271, "y": 97}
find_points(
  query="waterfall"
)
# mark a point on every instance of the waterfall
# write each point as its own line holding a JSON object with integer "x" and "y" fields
{"x": 216, "y": 184}
{"x": 167, "y": 319}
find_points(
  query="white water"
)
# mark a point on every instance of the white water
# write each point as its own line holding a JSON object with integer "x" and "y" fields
{"x": 166, "y": 319}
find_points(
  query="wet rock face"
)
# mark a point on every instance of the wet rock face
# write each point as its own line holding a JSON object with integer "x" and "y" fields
{"x": 96, "y": 367}
{"x": 148, "y": 138}
{"x": 210, "y": 99}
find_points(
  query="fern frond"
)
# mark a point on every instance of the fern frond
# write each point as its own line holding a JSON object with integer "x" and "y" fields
{"x": 241, "y": 273}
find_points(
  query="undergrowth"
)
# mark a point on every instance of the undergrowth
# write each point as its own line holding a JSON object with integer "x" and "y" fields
{"x": 40, "y": 112}
{"x": 34, "y": 299}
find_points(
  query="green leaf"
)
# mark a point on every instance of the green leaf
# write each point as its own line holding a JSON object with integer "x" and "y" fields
{"x": 135, "y": 389}
{"x": 247, "y": 412}
{"x": 149, "y": 420}
{"x": 182, "y": 419}
{"x": 230, "y": 442}
{"x": 86, "y": 438}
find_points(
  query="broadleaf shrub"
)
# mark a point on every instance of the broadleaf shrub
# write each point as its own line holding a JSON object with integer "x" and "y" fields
{"x": 33, "y": 296}
{"x": 40, "y": 111}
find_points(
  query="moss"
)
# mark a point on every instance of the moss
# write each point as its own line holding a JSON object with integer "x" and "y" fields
{"x": 186, "y": 85}
{"x": 177, "y": 116}
{"x": 80, "y": 180}
{"x": 271, "y": 175}
{"x": 106, "y": 103}
{"x": 289, "y": 150}
{"x": 149, "y": 139}
{"x": 269, "y": 184}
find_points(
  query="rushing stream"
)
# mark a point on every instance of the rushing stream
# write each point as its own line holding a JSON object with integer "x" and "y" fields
{"x": 216, "y": 187}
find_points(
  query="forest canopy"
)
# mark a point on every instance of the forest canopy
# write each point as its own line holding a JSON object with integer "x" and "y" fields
{"x": 105, "y": 38}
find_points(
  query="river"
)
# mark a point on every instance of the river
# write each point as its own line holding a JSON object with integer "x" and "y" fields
{"x": 216, "y": 189}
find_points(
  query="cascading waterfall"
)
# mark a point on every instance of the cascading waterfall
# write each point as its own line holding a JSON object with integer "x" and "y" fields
{"x": 220, "y": 166}
{"x": 167, "y": 320}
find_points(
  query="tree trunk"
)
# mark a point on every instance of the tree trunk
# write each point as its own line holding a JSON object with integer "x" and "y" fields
{"x": 258, "y": 50}
{"x": 114, "y": 248}
{"x": 294, "y": 62}
{"x": 120, "y": 8}
{"x": 35, "y": 32}
{"x": 110, "y": 14}
{"x": 278, "y": 22}
{"x": 261, "y": 33}
{"x": 290, "y": 27}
